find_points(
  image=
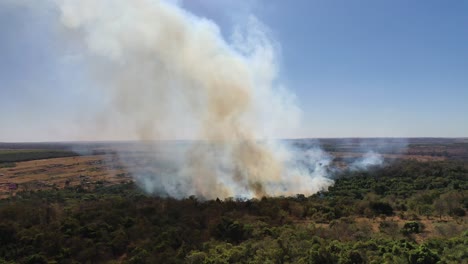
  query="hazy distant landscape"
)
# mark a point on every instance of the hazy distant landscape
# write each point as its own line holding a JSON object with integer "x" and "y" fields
{"x": 39, "y": 166}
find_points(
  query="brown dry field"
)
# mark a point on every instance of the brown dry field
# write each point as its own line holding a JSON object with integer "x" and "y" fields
{"x": 87, "y": 171}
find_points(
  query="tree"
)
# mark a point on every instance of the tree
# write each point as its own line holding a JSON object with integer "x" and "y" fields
{"x": 422, "y": 255}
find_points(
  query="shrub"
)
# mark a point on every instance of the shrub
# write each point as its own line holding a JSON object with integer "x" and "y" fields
{"x": 412, "y": 227}
{"x": 422, "y": 255}
{"x": 381, "y": 208}
{"x": 458, "y": 212}
{"x": 231, "y": 230}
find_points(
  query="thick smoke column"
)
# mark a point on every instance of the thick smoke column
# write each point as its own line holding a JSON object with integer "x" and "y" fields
{"x": 169, "y": 73}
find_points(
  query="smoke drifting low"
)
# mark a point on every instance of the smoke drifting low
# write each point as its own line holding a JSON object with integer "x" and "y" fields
{"x": 170, "y": 74}
{"x": 370, "y": 159}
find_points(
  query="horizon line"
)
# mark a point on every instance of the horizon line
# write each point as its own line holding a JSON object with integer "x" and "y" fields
{"x": 173, "y": 140}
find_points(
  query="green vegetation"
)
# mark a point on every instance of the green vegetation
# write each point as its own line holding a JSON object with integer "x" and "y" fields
{"x": 8, "y": 156}
{"x": 7, "y": 165}
{"x": 409, "y": 212}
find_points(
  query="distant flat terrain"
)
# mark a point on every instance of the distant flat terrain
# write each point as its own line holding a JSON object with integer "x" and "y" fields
{"x": 41, "y": 166}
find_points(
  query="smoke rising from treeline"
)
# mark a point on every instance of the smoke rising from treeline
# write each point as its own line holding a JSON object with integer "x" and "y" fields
{"x": 159, "y": 72}
{"x": 168, "y": 73}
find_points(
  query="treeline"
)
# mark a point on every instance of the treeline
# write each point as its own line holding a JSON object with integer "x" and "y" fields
{"x": 11, "y": 156}
{"x": 120, "y": 224}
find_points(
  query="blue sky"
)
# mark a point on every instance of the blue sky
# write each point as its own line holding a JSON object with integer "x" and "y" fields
{"x": 358, "y": 68}
{"x": 377, "y": 68}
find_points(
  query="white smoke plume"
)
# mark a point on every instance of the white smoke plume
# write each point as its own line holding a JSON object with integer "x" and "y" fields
{"x": 169, "y": 74}
{"x": 370, "y": 159}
